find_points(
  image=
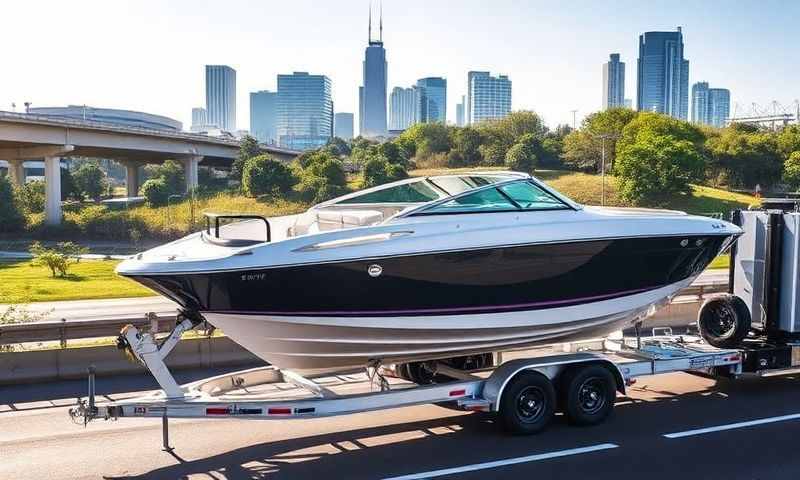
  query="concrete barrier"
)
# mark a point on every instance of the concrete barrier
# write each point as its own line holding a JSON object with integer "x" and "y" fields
{"x": 70, "y": 363}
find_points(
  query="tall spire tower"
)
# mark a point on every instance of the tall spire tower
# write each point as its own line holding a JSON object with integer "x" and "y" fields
{"x": 372, "y": 93}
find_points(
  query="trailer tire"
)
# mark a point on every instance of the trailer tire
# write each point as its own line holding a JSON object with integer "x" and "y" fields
{"x": 724, "y": 321}
{"x": 527, "y": 404}
{"x": 588, "y": 393}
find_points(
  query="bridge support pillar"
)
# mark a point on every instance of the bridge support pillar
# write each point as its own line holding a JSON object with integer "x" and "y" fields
{"x": 52, "y": 193}
{"x": 16, "y": 170}
{"x": 190, "y": 168}
{"x": 131, "y": 178}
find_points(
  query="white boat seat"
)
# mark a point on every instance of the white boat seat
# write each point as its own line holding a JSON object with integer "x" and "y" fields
{"x": 338, "y": 219}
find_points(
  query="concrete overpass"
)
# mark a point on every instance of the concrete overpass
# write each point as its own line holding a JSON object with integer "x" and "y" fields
{"x": 30, "y": 137}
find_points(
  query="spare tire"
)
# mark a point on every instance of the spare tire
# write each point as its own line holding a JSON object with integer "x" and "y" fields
{"x": 724, "y": 321}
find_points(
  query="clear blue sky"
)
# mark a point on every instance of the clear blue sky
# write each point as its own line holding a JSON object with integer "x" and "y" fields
{"x": 149, "y": 55}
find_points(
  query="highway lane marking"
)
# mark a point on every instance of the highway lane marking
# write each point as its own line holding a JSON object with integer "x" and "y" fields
{"x": 731, "y": 426}
{"x": 509, "y": 461}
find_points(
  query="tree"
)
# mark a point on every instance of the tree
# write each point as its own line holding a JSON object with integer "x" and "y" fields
{"x": 262, "y": 175}
{"x": 582, "y": 149}
{"x": 656, "y": 166}
{"x": 322, "y": 178}
{"x": 522, "y": 156}
{"x": 68, "y": 188}
{"x": 30, "y": 196}
{"x": 466, "y": 142}
{"x": 745, "y": 156}
{"x": 789, "y": 140}
{"x": 156, "y": 192}
{"x": 338, "y": 147}
{"x": 11, "y": 216}
{"x": 248, "y": 148}
{"x": 425, "y": 139}
{"x": 378, "y": 171}
{"x": 172, "y": 173}
{"x": 499, "y": 135}
{"x": 791, "y": 170}
{"x": 393, "y": 153}
{"x": 90, "y": 181}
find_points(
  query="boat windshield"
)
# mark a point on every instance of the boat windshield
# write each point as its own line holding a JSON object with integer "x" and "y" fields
{"x": 423, "y": 190}
{"x": 520, "y": 195}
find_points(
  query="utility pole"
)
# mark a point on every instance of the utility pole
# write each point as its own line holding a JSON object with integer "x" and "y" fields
{"x": 574, "y": 112}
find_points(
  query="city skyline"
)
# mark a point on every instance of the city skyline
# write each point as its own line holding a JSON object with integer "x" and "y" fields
{"x": 552, "y": 79}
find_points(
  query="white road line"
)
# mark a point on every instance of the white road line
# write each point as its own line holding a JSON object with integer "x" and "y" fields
{"x": 731, "y": 426}
{"x": 510, "y": 461}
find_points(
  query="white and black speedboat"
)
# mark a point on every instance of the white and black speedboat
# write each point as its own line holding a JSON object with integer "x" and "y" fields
{"x": 427, "y": 268}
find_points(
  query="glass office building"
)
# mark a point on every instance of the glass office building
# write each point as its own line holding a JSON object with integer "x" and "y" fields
{"x": 710, "y": 106}
{"x": 663, "y": 74}
{"x": 221, "y": 97}
{"x": 343, "y": 125}
{"x": 613, "y": 82}
{"x": 305, "y": 111}
{"x": 488, "y": 97}
{"x": 432, "y": 100}
{"x": 404, "y": 105}
{"x": 460, "y": 112}
{"x": 264, "y": 116}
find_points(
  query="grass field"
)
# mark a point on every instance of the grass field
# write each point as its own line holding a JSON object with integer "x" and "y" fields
{"x": 22, "y": 282}
{"x": 174, "y": 220}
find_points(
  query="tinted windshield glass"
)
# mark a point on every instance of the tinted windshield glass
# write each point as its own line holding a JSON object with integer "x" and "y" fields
{"x": 456, "y": 185}
{"x": 417, "y": 192}
{"x": 530, "y": 197}
{"x": 489, "y": 200}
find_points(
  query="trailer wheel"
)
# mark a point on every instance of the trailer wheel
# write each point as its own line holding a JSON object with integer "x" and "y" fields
{"x": 588, "y": 393}
{"x": 421, "y": 373}
{"x": 528, "y": 403}
{"x": 724, "y": 321}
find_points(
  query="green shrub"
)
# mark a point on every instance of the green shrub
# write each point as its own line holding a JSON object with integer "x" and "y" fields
{"x": 264, "y": 176}
{"x": 322, "y": 178}
{"x": 97, "y": 221}
{"x": 31, "y": 196}
{"x": 318, "y": 189}
{"x": 522, "y": 156}
{"x": 90, "y": 181}
{"x": 12, "y": 218}
{"x": 56, "y": 261}
{"x": 156, "y": 192}
{"x": 791, "y": 170}
{"x": 378, "y": 171}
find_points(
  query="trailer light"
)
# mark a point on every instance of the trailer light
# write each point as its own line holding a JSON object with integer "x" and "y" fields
{"x": 279, "y": 411}
{"x": 733, "y": 358}
{"x": 218, "y": 411}
{"x": 458, "y": 393}
{"x": 478, "y": 408}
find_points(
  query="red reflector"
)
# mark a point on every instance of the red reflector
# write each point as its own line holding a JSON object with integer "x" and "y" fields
{"x": 217, "y": 411}
{"x": 458, "y": 393}
{"x": 279, "y": 411}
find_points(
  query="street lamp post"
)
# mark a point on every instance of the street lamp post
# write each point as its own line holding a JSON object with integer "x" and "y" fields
{"x": 603, "y": 170}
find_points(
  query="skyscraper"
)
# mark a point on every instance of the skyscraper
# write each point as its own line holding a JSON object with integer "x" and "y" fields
{"x": 221, "y": 97}
{"x": 343, "y": 125}
{"x": 460, "y": 112}
{"x": 199, "y": 119}
{"x": 613, "y": 82}
{"x": 305, "y": 111}
{"x": 663, "y": 74}
{"x": 433, "y": 99}
{"x": 264, "y": 116}
{"x": 710, "y": 106}
{"x": 372, "y": 94}
{"x": 404, "y": 106}
{"x": 488, "y": 97}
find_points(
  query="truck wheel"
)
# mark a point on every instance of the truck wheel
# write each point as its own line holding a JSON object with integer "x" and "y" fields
{"x": 528, "y": 403}
{"x": 588, "y": 393}
{"x": 724, "y": 321}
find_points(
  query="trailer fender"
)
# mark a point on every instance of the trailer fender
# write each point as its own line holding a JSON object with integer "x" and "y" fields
{"x": 551, "y": 367}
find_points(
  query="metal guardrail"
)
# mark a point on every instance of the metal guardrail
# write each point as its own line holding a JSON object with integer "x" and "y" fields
{"x": 61, "y": 331}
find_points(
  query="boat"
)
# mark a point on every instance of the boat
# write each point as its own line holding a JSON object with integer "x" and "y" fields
{"x": 430, "y": 268}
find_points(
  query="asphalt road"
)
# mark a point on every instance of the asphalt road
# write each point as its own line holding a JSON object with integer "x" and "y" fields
{"x": 135, "y": 307}
{"x": 37, "y": 439}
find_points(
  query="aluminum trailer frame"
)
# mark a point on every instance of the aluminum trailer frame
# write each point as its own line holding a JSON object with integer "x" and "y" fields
{"x": 268, "y": 393}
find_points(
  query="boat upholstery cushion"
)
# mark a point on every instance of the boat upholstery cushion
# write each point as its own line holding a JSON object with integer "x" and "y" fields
{"x": 338, "y": 219}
